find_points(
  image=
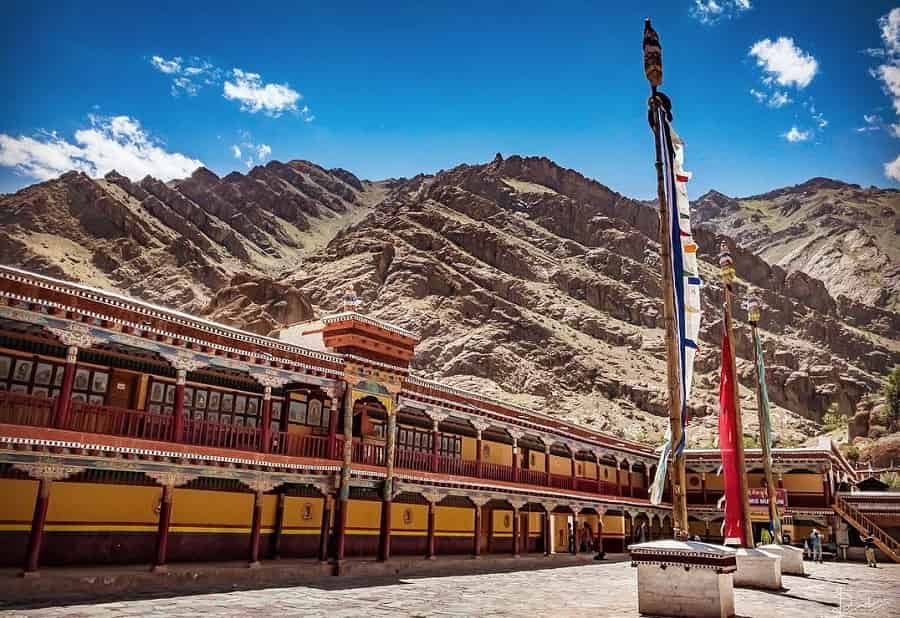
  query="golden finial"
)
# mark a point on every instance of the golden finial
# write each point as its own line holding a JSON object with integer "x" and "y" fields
{"x": 351, "y": 301}
{"x": 726, "y": 262}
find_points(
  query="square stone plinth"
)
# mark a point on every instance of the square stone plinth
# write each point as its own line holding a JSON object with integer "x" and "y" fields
{"x": 757, "y": 569}
{"x": 791, "y": 558}
{"x": 678, "y": 578}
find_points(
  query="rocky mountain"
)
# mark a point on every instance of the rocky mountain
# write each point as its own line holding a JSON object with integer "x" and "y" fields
{"x": 526, "y": 281}
{"x": 179, "y": 243}
{"x": 841, "y": 234}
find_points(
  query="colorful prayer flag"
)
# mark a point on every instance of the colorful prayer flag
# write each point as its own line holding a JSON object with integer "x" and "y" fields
{"x": 728, "y": 437}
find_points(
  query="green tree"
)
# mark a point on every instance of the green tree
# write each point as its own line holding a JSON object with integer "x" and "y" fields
{"x": 891, "y": 479}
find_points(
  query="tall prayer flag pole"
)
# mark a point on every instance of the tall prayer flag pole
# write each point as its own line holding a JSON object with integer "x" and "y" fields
{"x": 659, "y": 111}
{"x": 727, "y": 264}
{"x": 765, "y": 422}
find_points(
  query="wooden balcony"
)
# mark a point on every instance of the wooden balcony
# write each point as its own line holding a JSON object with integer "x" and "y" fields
{"x": 18, "y": 409}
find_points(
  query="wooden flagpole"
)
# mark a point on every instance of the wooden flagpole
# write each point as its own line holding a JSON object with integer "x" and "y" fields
{"x": 653, "y": 71}
{"x": 727, "y": 264}
{"x": 754, "y": 313}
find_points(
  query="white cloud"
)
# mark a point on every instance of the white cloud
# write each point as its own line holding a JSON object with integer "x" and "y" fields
{"x": 779, "y": 99}
{"x": 255, "y": 96}
{"x": 872, "y": 123}
{"x": 710, "y": 12}
{"x": 892, "y": 169}
{"x": 796, "y": 135}
{"x": 889, "y": 74}
{"x": 117, "y": 142}
{"x": 256, "y": 154}
{"x": 785, "y": 62}
{"x": 166, "y": 66}
{"x": 890, "y": 32}
{"x": 188, "y": 76}
{"x": 759, "y": 96}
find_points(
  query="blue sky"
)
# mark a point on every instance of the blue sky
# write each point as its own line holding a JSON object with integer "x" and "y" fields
{"x": 393, "y": 89}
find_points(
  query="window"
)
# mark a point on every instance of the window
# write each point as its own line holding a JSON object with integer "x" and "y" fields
{"x": 203, "y": 403}
{"x": 43, "y": 378}
{"x": 422, "y": 440}
{"x": 313, "y": 413}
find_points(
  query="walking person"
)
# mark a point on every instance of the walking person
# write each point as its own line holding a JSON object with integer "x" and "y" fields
{"x": 869, "y": 544}
{"x": 815, "y": 540}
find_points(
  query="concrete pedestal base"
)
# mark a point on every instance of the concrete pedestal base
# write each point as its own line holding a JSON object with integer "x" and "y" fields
{"x": 791, "y": 558}
{"x": 757, "y": 569}
{"x": 677, "y": 578}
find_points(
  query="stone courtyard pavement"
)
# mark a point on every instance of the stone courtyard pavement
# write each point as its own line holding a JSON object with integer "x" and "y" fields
{"x": 844, "y": 590}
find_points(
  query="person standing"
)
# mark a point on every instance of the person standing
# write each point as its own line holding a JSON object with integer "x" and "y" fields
{"x": 869, "y": 544}
{"x": 815, "y": 541}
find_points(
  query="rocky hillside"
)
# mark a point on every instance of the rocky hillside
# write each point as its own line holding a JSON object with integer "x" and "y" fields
{"x": 179, "y": 243}
{"x": 526, "y": 281}
{"x": 845, "y": 236}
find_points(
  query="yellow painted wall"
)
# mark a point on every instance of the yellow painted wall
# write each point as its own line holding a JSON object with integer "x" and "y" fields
{"x": 418, "y": 524}
{"x": 17, "y": 497}
{"x": 535, "y": 521}
{"x": 199, "y": 510}
{"x": 82, "y": 506}
{"x": 497, "y": 453}
{"x": 538, "y": 458}
{"x": 637, "y": 479}
{"x": 607, "y": 473}
{"x": 468, "y": 448}
{"x": 698, "y": 528}
{"x": 500, "y": 527}
{"x": 560, "y": 465}
{"x": 613, "y": 525}
{"x": 588, "y": 469}
{"x": 454, "y": 521}
{"x": 294, "y": 509}
{"x": 364, "y": 517}
{"x": 715, "y": 482}
{"x": 560, "y": 532}
{"x": 804, "y": 482}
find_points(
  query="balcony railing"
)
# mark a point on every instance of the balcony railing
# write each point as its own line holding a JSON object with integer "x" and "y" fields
{"x": 89, "y": 418}
{"x": 498, "y": 472}
{"x": 409, "y": 459}
{"x": 299, "y": 445}
{"x": 19, "y": 409}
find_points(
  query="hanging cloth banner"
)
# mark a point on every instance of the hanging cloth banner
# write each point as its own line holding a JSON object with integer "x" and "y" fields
{"x": 686, "y": 284}
{"x": 766, "y": 429}
{"x": 728, "y": 437}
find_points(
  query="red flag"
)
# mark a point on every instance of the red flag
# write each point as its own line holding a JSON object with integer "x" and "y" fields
{"x": 734, "y": 518}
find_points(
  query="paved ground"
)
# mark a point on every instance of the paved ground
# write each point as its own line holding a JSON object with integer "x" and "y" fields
{"x": 838, "y": 590}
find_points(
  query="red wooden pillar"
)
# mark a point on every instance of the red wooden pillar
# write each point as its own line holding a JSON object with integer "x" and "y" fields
{"x": 255, "y": 529}
{"x": 574, "y": 469}
{"x": 431, "y": 545}
{"x": 265, "y": 439}
{"x": 547, "y": 465}
{"x": 178, "y": 413}
{"x": 597, "y": 473}
{"x": 278, "y": 532}
{"x": 476, "y": 546}
{"x": 547, "y": 530}
{"x": 478, "y": 454}
{"x": 436, "y": 419}
{"x": 826, "y": 486}
{"x": 630, "y": 488}
{"x": 527, "y": 532}
{"x": 515, "y": 532}
{"x": 341, "y": 527}
{"x": 384, "y": 536}
{"x": 515, "y": 460}
{"x": 703, "y": 485}
{"x": 490, "y": 530}
{"x": 162, "y": 530}
{"x": 618, "y": 479}
{"x": 36, "y": 537}
{"x": 327, "y": 505}
{"x": 332, "y": 426}
{"x": 61, "y": 409}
